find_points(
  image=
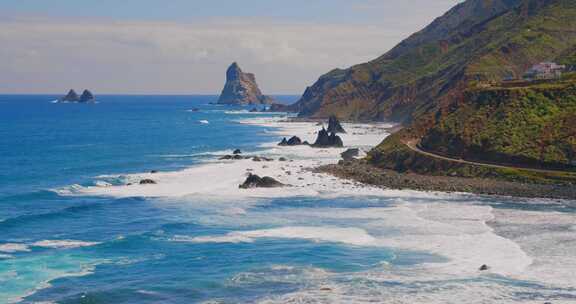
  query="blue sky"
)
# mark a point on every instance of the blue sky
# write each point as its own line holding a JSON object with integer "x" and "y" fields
{"x": 184, "y": 46}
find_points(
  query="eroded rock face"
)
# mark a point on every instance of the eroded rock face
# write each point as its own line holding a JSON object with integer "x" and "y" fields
{"x": 241, "y": 88}
{"x": 255, "y": 181}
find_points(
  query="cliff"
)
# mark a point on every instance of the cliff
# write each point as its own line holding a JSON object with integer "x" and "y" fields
{"x": 241, "y": 88}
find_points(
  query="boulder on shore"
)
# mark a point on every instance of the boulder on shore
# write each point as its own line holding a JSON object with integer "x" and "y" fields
{"x": 350, "y": 154}
{"x": 327, "y": 140}
{"x": 255, "y": 181}
{"x": 334, "y": 125}
{"x": 147, "y": 181}
{"x": 284, "y": 142}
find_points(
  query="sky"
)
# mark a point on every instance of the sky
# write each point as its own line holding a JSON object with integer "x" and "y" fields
{"x": 185, "y": 46}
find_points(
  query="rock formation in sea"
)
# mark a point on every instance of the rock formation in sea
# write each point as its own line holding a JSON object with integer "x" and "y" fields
{"x": 293, "y": 141}
{"x": 241, "y": 88}
{"x": 86, "y": 96}
{"x": 72, "y": 96}
{"x": 327, "y": 140}
{"x": 334, "y": 125}
{"x": 255, "y": 181}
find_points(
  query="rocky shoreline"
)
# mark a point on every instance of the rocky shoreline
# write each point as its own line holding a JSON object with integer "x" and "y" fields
{"x": 361, "y": 171}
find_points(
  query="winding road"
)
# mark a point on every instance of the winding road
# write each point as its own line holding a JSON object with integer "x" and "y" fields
{"x": 414, "y": 146}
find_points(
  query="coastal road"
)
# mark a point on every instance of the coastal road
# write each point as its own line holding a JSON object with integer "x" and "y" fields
{"x": 414, "y": 146}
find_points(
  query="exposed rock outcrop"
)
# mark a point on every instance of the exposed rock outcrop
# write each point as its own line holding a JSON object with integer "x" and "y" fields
{"x": 293, "y": 141}
{"x": 255, "y": 181}
{"x": 241, "y": 88}
{"x": 87, "y": 96}
{"x": 147, "y": 181}
{"x": 327, "y": 140}
{"x": 350, "y": 154}
{"x": 334, "y": 125}
{"x": 72, "y": 96}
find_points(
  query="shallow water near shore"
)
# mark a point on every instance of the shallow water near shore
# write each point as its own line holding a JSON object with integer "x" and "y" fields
{"x": 73, "y": 231}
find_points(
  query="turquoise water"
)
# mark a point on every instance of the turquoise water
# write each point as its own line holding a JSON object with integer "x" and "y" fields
{"x": 101, "y": 249}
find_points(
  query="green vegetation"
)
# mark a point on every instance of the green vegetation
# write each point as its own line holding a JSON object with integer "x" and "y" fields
{"x": 393, "y": 154}
{"x": 476, "y": 41}
{"x": 530, "y": 125}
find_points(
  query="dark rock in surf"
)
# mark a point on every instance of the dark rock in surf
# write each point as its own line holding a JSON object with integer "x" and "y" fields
{"x": 72, "y": 96}
{"x": 350, "y": 154}
{"x": 327, "y": 140}
{"x": 293, "y": 141}
{"x": 147, "y": 181}
{"x": 334, "y": 125}
{"x": 284, "y": 142}
{"x": 237, "y": 151}
{"x": 87, "y": 96}
{"x": 255, "y": 181}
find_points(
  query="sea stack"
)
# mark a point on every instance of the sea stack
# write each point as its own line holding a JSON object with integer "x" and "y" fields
{"x": 87, "y": 96}
{"x": 334, "y": 125}
{"x": 327, "y": 140}
{"x": 241, "y": 89}
{"x": 72, "y": 96}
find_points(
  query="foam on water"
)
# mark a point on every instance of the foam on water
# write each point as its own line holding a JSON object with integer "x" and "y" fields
{"x": 466, "y": 233}
{"x": 25, "y": 276}
{"x": 352, "y": 236}
{"x": 13, "y": 247}
{"x": 63, "y": 244}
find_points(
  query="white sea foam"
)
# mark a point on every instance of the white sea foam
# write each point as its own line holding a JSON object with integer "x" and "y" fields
{"x": 102, "y": 184}
{"x": 220, "y": 179}
{"x": 13, "y": 247}
{"x": 203, "y": 121}
{"x": 64, "y": 244}
{"x": 352, "y": 236}
{"x": 416, "y": 221}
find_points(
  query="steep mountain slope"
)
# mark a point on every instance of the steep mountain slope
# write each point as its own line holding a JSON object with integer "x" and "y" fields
{"x": 476, "y": 40}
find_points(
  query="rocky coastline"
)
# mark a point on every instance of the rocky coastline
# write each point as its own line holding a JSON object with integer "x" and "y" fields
{"x": 363, "y": 172}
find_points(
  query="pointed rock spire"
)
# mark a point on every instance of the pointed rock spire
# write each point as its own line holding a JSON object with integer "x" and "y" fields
{"x": 241, "y": 88}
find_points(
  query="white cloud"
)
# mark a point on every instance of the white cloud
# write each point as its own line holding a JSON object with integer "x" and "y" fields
{"x": 162, "y": 57}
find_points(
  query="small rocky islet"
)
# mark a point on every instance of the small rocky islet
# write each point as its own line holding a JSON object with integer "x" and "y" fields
{"x": 73, "y": 97}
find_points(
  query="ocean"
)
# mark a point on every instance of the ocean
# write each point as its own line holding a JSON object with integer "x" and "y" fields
{"x": 77, "y": 227}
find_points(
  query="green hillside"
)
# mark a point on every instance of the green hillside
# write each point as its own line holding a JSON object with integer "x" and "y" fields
{"x": 476, "y": 40}
{"x": 533, "y": 125}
